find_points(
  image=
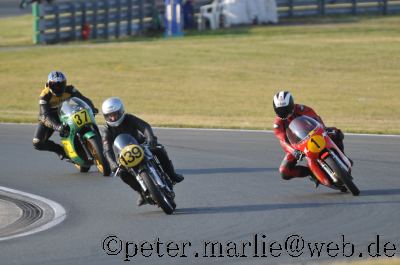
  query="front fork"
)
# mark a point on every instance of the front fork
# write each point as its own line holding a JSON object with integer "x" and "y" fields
{"x": 85, "y": 149}
{"x": 328, "y": 170}
{"x": 153, "y": 174}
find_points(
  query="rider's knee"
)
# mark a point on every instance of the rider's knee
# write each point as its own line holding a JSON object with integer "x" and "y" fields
{"x": 37, "y": 144}
{"x": 284, "y": 173}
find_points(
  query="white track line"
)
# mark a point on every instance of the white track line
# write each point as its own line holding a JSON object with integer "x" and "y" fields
{"x": 227, "y": 130}
{"x": 265, "y": 131}
{"x": 59, "y": 213}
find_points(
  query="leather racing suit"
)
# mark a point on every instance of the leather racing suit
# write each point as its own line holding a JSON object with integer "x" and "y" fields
{"x": 49, "y": 120}
{"x": 141, "y": 131}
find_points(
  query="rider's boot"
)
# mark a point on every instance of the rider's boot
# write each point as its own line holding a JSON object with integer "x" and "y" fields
{"x": 177, "y": 178}
{"x": 141, "y": 200}
{"x": 314, "y": 179}
{"x": 60, "y": 152}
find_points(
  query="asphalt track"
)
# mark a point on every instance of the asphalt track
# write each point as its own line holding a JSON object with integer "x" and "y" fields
{"x": 232, "y": 191}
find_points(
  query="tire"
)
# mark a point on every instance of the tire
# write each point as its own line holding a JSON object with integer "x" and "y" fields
{"x": 163, "y": 201}
{"x": 96, "y": 149}
{"x": 343, "y": 176}
{"x": 167, "y": 180}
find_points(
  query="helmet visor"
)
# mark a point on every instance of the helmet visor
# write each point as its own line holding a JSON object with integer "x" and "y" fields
{"x": 113, "y": 116}
{"x": 57, "y": 87}
{"x": 284, "y": 112}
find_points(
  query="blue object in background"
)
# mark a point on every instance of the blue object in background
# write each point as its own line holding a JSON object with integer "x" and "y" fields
{"x": 173, "y": 19}
{"x": 188, "y": 15}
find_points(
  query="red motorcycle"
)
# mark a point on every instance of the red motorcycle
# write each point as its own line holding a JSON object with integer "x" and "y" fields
{"x": 328, "y": 164}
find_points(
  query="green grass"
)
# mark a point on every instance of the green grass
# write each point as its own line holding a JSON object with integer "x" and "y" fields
{"x": 16, "y": 31}
{"x": 349, "y": 72}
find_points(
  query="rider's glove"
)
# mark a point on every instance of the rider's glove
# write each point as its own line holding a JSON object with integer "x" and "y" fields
{"x": 335, "y": 133}
{"x": 297, "y": 154}
{"x": 152, "y": 142}
{"x": 64, "y": 130}
{"x": 330, "y": 130}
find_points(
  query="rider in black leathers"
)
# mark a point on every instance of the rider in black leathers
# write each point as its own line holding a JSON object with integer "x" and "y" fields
{"x": 51, "y": 98}
{"x": 117, "y": 122}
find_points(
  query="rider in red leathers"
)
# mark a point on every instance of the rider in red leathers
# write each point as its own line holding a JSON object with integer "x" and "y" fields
{"x": 286, "y": 111}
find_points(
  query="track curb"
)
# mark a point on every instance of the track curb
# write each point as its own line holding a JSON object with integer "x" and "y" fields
{"x": 36, "y": 213}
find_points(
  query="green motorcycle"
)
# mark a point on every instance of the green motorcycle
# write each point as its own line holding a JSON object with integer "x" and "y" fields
{"x": 83, "y": 144}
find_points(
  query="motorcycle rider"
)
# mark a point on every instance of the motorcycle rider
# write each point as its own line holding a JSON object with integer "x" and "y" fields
{"x": 286, "y": 110}
{"x": 117, "y": 122}
{"x": 56, "y": 91}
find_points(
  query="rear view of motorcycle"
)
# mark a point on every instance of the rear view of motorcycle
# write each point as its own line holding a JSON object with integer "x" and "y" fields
{"x": 83, "y": 144}
{"x": 327, "y": 162}
{"x": 141, "y": 164}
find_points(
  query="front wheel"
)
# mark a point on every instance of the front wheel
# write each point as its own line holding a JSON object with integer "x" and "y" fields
{"x": 95, "y": 148}
{"x": 160, "y": 197}
{"x": 343, "y": 176}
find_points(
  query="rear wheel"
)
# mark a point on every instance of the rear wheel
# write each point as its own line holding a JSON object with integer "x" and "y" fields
{"x": 161, "y": 199}
{"x": 343, "y": 176}
{"x": 95, "y": 148}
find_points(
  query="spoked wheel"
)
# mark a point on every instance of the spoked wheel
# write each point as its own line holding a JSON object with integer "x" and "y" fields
{"x": 95, "y": 148}
{"x": 161, "y": 199}
{"x": 343, "y": 175}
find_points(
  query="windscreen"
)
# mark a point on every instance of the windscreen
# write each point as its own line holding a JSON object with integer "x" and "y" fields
{"x": 299, "y": 128}
{"x": 73, "y": 105}
{"x": 123, "y": 140}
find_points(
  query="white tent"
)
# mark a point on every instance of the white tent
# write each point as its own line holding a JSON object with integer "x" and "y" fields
{"x": 239, "y": 12}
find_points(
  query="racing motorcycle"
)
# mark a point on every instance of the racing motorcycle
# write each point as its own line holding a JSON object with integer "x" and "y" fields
{"x": 328, "y": 164}
{"x": 83, "y": 144}
{"x": 141, "y": 164}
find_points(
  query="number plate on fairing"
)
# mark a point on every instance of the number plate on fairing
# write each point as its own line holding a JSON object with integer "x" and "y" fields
{"x": 131, "y": 155}
{"x": 316, "y": 144}
{"x": 81, "y": 118}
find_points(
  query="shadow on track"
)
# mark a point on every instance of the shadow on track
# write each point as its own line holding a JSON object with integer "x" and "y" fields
{"x": 271, "y": 207}
{"x": 380, "y": 192}
{"x": 223, "y": 170}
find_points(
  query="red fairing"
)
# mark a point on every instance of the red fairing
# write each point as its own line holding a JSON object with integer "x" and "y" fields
{"x": 281, "y": 125}
{"x": 312, "y": 157}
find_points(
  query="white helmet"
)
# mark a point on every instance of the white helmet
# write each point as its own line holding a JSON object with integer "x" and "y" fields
{"x": 113, "y": 111}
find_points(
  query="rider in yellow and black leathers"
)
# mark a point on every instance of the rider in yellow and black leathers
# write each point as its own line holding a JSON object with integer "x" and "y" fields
{"x": 51, "y": 98}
